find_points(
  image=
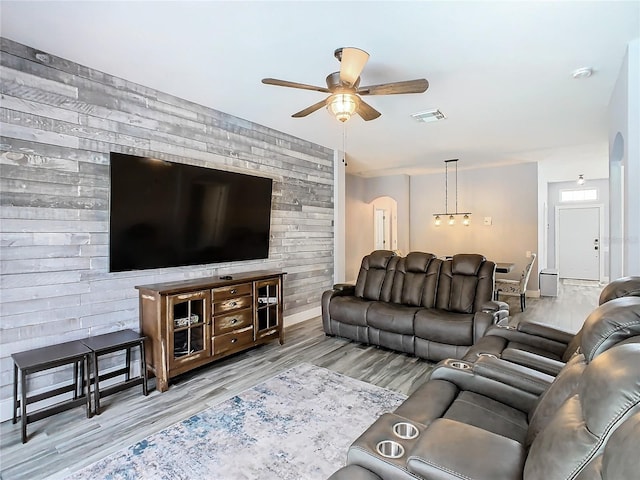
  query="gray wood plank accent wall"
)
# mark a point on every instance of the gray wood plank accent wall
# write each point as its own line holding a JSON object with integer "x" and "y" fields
{"x": 59, "y": 121}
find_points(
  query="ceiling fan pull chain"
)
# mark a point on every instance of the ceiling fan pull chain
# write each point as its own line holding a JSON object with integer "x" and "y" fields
{"x": 344, "y": 144}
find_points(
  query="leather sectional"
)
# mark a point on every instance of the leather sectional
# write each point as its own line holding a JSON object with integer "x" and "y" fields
{"x": 543, "y": 347}
{"x": 418, "y": 304}
{"x": 496, "y": 420}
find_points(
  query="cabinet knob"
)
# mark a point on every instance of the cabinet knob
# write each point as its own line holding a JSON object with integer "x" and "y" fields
{"x": 234, "y": 340}
{"x": 234, "y": 321}
{"x": 232, "y": 304}
{"x": 233, "y": 290}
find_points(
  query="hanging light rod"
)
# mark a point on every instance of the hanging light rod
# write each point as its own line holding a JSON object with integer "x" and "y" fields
{"x": 451, "y": 216}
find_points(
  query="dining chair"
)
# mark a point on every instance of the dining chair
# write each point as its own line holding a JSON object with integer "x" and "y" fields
{"x": 516, "y": 287}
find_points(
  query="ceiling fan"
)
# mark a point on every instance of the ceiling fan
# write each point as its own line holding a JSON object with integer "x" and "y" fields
{"x": 344, "y": 87}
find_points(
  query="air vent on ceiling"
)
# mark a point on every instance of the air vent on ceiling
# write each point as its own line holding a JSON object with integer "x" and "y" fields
{"x": 429, "y": 116}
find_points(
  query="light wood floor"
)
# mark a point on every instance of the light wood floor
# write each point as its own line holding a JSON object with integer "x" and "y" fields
{"x": 69, "y": 441}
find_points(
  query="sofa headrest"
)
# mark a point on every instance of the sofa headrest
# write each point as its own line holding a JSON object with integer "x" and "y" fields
{"x": 622, "y": 287}
{"x": 417, "y": 261}
{"x": 466, "y": 263}
{"x": 379, "y": 258}
{"x": 609, "y": 324}
{"x": 610, "y": 387}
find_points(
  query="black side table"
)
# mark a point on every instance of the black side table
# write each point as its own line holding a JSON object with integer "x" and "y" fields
{"x": 113, "y": 342}
{"x": 44, "y": 358}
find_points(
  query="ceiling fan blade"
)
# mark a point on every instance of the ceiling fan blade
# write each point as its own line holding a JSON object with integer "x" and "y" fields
{"x": 410, "y": 86}
{"x": 352, "y": 62}
{"x": 367, "y": 112}
{"x": 285, "y": 83}
{"x": 311, "y": 109}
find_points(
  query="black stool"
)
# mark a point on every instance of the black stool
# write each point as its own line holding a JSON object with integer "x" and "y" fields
{"x": 113, "y": 342}
{"x": 44, "y": 358}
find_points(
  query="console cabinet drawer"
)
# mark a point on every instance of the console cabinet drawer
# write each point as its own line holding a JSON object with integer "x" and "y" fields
{"x": 236, "y": 303}
{"x": 233, "y": 321}
{"x": 222, "y": 293}
{"x": 232, "y": 342}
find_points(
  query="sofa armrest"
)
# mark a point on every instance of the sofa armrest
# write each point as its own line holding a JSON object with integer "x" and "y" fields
{"x": 354, "y": 472}
{"x": 345, "y": 288}
{"x": 545, "y": 331}
{"x": 481, "y": 322}
{"x": 498, "y": 387}
{"x": 528, "y": 359}
{"x": 454, "y": 450}
{"x": 512, "y": 374}
{"x": 493, "y": 306}
{"x": 515, "y": 334}
{"x": 340, "y": 289}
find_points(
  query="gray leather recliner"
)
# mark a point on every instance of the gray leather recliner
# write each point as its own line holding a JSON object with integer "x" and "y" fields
{"x": 540, "y": 346}
{"x": 619, "y": 460}
{"x": 607, "y": 394}
{"x": 492, "y": 427}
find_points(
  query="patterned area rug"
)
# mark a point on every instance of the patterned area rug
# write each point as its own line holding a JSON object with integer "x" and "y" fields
{"x": 296, "y": 425}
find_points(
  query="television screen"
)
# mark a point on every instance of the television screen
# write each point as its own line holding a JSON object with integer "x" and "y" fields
{"x": 165, "y": 214}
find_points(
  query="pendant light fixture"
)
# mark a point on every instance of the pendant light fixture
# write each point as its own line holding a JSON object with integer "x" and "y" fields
{"x": 466, "y": 216}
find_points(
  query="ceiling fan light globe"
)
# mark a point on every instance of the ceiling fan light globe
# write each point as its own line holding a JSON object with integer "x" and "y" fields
{"x": 342, "y": 105}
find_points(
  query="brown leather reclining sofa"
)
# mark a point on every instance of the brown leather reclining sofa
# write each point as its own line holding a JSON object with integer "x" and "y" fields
{"x": 418, "y": 304}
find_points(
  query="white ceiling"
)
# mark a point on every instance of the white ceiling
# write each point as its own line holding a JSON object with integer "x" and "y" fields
{"x": 500, "y": 71}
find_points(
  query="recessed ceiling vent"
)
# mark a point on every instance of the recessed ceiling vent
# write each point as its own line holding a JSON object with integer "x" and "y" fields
{"x": 429, "y": 116}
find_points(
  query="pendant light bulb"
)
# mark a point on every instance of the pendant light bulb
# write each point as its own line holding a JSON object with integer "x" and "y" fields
{"x": 465, "y": 220}
{"x": 452, "y": 220}
{"x": 437, "y": 220}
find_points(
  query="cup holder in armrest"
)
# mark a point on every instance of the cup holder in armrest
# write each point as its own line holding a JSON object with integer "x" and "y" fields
{"x": 460, "y": 365}
{"x": 390, "y": 449}
{"x": 405, "y": 430}
{"x": 488, "y": 355}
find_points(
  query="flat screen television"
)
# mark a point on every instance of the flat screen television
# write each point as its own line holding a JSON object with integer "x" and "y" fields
{"x": 166, "y": 214}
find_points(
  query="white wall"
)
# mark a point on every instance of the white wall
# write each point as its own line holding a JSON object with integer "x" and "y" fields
{"x": 359, "y": 226}
{"x": 624, "y": 141}
{"x": 396, "y": 187}
{"x": 360, "y": 194}
{"x": 507, "y": 194}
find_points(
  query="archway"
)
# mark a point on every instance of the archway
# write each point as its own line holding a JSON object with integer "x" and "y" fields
{"x": 385, "y": 223}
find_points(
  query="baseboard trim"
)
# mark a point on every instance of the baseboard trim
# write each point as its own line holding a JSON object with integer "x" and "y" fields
{"x": 302, "y": 316}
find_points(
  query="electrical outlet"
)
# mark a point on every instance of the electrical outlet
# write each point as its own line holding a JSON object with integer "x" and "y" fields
{"x": 487, "y": 220}
{"x": 528, "y": 253}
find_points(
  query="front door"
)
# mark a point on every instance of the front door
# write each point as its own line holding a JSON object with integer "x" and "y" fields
{"x": 578, "y": 242}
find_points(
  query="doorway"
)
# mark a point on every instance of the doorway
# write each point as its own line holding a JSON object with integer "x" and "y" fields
{"x": 381, "y": 231}
{"x": 385, "y": 223}
{"x": 578, "y": 241}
